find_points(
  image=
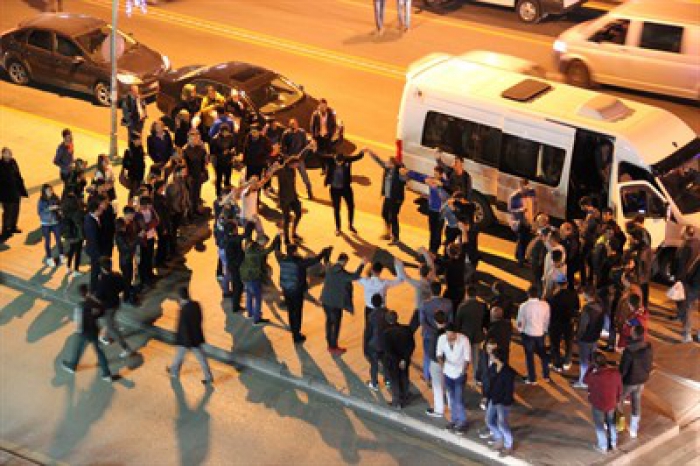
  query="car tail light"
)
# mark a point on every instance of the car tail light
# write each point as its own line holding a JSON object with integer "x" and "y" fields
{"x": 399, "y": 150}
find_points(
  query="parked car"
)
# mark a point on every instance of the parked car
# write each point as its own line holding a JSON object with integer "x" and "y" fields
{"x": 529, "y": 11}
{"x": 646, "y": 45}
{"x": 267, "y": 94}
{"x": 72, "y": 51}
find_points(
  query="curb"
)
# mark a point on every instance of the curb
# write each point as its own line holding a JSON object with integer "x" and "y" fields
{"x": 281, "y": 373}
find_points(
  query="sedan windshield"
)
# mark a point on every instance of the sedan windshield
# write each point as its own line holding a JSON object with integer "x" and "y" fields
{"x": 92, "y": 42}
{"x": 680, "y": 175}
{"x": 275, "y": 95}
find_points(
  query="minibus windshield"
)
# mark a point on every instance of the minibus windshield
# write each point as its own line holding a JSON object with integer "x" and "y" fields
{"x": 680, "y": 175}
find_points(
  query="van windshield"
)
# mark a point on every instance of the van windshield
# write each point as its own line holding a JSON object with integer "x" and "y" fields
{"x": 680, "y": 175}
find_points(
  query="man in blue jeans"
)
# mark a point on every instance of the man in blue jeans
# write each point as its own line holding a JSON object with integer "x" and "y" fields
{"x": 499, "y": 387}
{"x": 533, "y": 322}
{"x": 453, "y": 352}
{"x": 604, "y": 392}
{"x": 590, "y": 326}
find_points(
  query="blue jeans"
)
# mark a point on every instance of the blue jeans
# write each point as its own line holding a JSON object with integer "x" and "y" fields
{"x": 497, "y": 422}
{"x": 226, "y": 280}
{"x": 404, "y": 10}
{"x": 83, "y": 341}
{"x": 585, "y": 355}
{"x": 534, "y": 345}
{"x": 379, "y": 13}
{"x": 46, "y": 231}
{"x": 455, "y": 389}
{"x": 253, "y": 299}
{"x": 604, "y": 423}
{"x": 426, "y": 360}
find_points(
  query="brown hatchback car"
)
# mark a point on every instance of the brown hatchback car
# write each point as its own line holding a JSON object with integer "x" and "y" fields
{"x": 69, "y": 51}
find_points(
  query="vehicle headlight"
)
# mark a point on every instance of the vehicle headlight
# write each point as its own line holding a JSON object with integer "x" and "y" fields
{"x": 128, "y": 79}
{"x": 560, "y": 46}
{"x": 166, "y": 63}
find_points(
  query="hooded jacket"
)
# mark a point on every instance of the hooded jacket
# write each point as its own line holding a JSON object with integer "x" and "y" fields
{"x": 636, "y": 363}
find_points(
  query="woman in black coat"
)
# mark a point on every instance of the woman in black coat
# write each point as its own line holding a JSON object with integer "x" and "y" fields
{"x": 72, "y": 230}
{"x": 12, "y": 189}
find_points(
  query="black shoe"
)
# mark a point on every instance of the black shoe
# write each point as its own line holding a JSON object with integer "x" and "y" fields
{"x": 208, "y": 383}
{"x": 352, "y": 229}
{"x": 301, "y": 338}
{"x": 261, "y": 321}
{"x": 111, "y": 378}
{"x": 15, "y": 231}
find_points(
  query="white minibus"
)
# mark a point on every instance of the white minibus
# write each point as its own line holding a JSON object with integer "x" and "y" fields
{"x": 569, "y": 142}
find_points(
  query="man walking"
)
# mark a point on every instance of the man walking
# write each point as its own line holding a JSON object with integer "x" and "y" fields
{"x": 533, "y": 322}
{"x": 294, "y": 284}
{"x": 379, "y": 6}
{"x": 393, "y": 194}
{"x": 86, "y": 315}
{"x": 190, "y": 336}
{"x": 12, "y": 192}
{"x": 398, "y": 349}
{"x": 635, "y": 368}
{"x": 604, "y": 393}
{"x": 336, "y": 296}
{"x": 109, "y": 287}
{"x": 453, "y": 353}
{"x": 590, "y": 326}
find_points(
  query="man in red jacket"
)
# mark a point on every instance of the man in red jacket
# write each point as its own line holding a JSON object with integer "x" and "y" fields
{"x": 604, "y": 393}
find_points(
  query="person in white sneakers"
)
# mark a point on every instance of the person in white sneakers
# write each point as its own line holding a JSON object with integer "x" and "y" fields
{"x": 453, "y": 352}
{"x": 436, "y": 375}
{"x": 49, "y": 209}
{"x": 635, "y": 368}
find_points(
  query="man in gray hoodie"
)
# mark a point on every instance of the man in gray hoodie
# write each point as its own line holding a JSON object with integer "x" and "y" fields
{"x": 336, "y": 295}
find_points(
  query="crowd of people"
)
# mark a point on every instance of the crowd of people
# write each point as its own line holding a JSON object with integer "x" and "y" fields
{"x": 590, "y": 277}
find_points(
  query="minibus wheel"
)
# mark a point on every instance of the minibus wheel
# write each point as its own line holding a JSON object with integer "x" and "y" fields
{"x": 483, "y": 215}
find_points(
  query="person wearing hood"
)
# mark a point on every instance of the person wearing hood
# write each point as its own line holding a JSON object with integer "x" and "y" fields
{"x": 13, "y": 190}
{"x": 336, "y": 295}
{"x": 339, "y": 180}
{"x": 590, "y": 326}
{"x": 635, "y": 368}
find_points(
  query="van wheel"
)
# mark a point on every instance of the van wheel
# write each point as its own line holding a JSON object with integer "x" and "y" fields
{"x": 18, "y": 72}
{"x": 102, "y": 93}
{"x": 529, "y": 11}
{"x": 665, "y": 265}
{"x": 483, "y": 215}
{"x": 577, "y": 74}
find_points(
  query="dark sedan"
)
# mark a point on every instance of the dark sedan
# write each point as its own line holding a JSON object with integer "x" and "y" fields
{"x": 267, "y": 94}
{"x": 72, "y": 51}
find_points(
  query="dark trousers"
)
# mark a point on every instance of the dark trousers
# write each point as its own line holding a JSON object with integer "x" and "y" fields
{"x": 336, "y": 196}
{"x": 645, "y": 293}
{"x": 390, "y": 214}
{"x": 83, "y": 341}
{"x": 436, "y": 224}
{"x": 254, "y": 170}
{"x": 586, "y": 273}
{"x": 46, "y": 232}
{"x": 195, "y": 194}
{"x": 175, "y": 222}
{"x": 334, "y": 317}
{"x": 399, "y": 382}
{"x": 295, "y": 307}
{"x": 236, "y": 287}
{"x": 223, "y": 177}
{"x": 557, "y": 336}
{"x": 126, "y": 267}
{"x": 375, "y": 357}
{"x": 94, "y": 272}
{"x": 164, "y": 245}
{"x": 522, "y": 239}
{"x": 10, "y": 214}
{"x": 146, "y": 274}
{"x": 75, "y": 253}
{"x": 324, "y": 145}
{"x": 293, "y": 207}
{"x": 532, "y": 346}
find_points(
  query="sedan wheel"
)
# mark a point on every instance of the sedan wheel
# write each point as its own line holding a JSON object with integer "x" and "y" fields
{"x": 18, "y": 73}
{"x": 528, "y": 11}
{"x": 101, "y": 93}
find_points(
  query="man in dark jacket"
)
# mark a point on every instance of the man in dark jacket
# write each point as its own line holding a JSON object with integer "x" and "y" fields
{"x": 134, "y": 111}
{"x": 109, "y": 288}
{"x": 398, "y": 349}
{"x": 126, "y": 241}
{"x": 12, "y": 191}
{"x": 256, "y": 154}
{"x": 339, "y": 180}
{"x": 336, "y": 295}
{"x": 323, "y": 126}
{"x": 65, "y": 155}
{"x": 294, "y": 284}
{"x": 564, "y": 305}
{"x": 688, "y": 260}
{"x": 393, "y": 194}
{"x": 499, "y": 395}
{"x": 590, "y": 326}
{"x": 223, "y": 150}
{"x": 190, "y": 336}
{"x": 373, "y": 347}
{"x": 458, "y": 178}
{"x": 91, "y": 230}
{"x": 469, "y": 321}
{"x": 295, "y": 142}
{"x": 195, "y": 155}
{"x": 163, "y": 230}
{"x": 86, "y": 316}
{"x": 604, "y": 392}
{"x": 635, "y": 368}
{"x": 500, "y": 330}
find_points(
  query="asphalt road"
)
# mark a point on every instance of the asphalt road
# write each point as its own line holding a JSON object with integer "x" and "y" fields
{"x": 147, "y": 419}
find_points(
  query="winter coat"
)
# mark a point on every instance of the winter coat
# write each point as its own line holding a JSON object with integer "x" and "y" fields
{"x": 11, "y": 182}
{"x": 253, "y": 265}
{"x": 48, "y": 216}
{"x": 73, "y": 216}
{"x": 337, "y": 287}
{"x": 501, "y": 385}
{"x": 189, "y": 326}
{"x": 636, "y": 363}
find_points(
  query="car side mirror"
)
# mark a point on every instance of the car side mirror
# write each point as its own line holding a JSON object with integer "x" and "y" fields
{"x": 78, "y": 60}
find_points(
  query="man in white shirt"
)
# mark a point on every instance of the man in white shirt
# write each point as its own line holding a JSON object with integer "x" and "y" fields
{"x": 374, "y": 285}
{"x": 533, "y": 322}
{"x": 453, "y": 352}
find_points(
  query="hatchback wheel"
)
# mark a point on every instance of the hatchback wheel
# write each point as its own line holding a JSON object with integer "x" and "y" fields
{"x": 577, "y": 74}
{"x": 528, "y": 11}
{"x": 18, "y": 72}
{"x": 101, "y": 93}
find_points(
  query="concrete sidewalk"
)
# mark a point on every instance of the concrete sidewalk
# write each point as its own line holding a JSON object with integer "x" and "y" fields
{"x": 552, "y": 423}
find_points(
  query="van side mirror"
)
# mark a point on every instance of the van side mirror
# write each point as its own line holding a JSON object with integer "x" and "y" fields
{"x": 78, "y": 60}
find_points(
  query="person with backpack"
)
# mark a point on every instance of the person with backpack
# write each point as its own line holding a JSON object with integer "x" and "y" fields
{"x": 294, "y": 284}
{"x": 635, "y": 368}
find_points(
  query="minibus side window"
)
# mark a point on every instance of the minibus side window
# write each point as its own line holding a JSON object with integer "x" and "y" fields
{"x": 532, "y": 160}
{"x": 462, "y": 138}
{"x": 484, "y": 145}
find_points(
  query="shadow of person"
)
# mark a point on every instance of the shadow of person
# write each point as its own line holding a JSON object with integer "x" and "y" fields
{"x": 19, "y": 306}
{"x": 52, "y": 318}
{"x": 192, "y": 426}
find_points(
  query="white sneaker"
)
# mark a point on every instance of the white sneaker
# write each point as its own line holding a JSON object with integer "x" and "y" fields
{"x": 62, "y": 259}
{"x": 567, "y": 366}
{"x": 125, "y": 354}
{"x": 633, "y": 434}
{"x": 76, "y": 273}
{"x": 579, "y": 385}
{"x": 50, "y": 262}
{"x": 372, "y": 386}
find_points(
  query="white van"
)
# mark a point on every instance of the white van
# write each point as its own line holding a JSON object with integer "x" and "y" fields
{"x": 646, "y": 45}
{"x": 569, "y": 142}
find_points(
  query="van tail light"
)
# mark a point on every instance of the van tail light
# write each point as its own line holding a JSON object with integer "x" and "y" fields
{"x": 399, "y": 150}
